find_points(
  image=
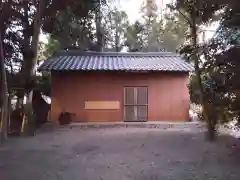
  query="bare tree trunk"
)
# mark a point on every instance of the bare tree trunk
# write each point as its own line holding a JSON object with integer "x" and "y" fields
{"x": 9, "y": 112}
{"x": 24, "y": 77}
{"x": 4, "y": 17}
{"x": 31, "y": 61}
{"x": 211, "y": 123}
{"x": 4, "y": 95}
{"x": 117, "y": 40}
{"x": 34, "y": 44}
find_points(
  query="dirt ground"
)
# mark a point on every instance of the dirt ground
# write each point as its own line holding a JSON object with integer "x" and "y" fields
{"x": 119, "y": 154}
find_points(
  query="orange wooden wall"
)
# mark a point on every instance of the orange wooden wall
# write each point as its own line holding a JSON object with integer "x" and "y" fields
{"x": 168, "y": 96}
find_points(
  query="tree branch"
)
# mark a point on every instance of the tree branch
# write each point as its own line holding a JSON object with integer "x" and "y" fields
{"x": 185, "y": 17}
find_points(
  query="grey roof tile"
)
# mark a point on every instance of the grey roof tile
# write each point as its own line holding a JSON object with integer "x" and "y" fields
{"x": 92, "y": 61}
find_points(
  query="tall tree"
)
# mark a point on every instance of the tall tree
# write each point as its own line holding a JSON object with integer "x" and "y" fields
{"x": 39, "y": 17}
{"x": 70, "y": 31}
{"x": 150, "y": 10}
{"x": 174, "y": 32}
{"x": 4, "y": 95}
{"x": 221, "y": 72}
{"x": 152, "y": 26}
{"x": 116, "y": 24}
{"x": 166, "y": 34}
{"x": 133, "y": 37}
{"x": 5, "y": 16}
{"x": 21, "y": 27}
{"x": 196, "y": 13}
{"x": 99, "y": 28}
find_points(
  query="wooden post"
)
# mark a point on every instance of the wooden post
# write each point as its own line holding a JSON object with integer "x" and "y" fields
{"x": 23, "y": 123}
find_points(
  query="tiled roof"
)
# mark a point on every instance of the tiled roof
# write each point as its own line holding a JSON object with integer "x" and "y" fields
{"x": 112, "y": 61}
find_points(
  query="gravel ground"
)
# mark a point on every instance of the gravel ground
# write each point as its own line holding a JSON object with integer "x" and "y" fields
{"x": 119, "y": 154}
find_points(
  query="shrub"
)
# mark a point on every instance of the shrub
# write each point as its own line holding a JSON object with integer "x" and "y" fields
{"x": 65, "y": 118}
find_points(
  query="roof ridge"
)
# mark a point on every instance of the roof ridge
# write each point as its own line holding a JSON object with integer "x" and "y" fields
{"x": 93, "y": 53}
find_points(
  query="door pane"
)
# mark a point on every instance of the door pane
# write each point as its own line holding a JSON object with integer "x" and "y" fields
{"x": 142, "y": 96}
{"x": 129, "y": 113}
{"x": 142, "y": 112}
{"x": 129, "y": 95}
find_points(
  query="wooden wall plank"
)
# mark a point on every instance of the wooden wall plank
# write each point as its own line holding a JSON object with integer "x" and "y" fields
{"x": 102, "y": 105}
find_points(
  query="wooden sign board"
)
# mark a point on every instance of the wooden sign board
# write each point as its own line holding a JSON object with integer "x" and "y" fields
{"x": 102, "y": 105}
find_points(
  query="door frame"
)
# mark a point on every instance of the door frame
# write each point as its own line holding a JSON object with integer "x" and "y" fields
{"x": 135, "y": 105}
